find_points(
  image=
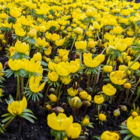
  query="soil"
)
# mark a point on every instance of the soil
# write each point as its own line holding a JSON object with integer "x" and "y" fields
{"x": 40, "y": 130}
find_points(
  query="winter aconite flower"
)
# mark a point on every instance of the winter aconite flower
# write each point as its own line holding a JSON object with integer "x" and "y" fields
{"x": 80, "y": 45}
{"x": 117, "y": 77}
{"x": 107, "y": 68}
{"x": 60, "y": 122}
{"x": 72, "y": 92}
{"x": 74, "y": 130}
{"x": 133, "y": 125}
{"x": 135, "y": 66}
{"x": 17, "y": 107}
{"x": 99, "y": 99}
{"x": 109, "y": 90}
{"x": 16, "y": 64}
{"x": 53, "y": 76}
{"x": 34, "y": 84}
{"x": 21, "y": 47}
{"x": 107, "y": 135}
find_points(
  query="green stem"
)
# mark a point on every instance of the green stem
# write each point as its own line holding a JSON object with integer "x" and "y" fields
{"x": 46, "y": 94}
{"x": 88, "y": 81}
{"x": 103, "y": 50}
{"x": 27, "y": 83}
{"x": 132, "y": 64}
{"x": 86, "y": 30}
{"x": 73, "y": 44}
{"x": 136, "y": 98}
{"x": 22, "y": 86}
{"x": 136, "y": 34}
{"x": 8, "y": 123}
{"x": 94, "y": 83}
{"x": 59, "y": 93}
{"x": 18, "y": 88}
{"x": 127, "y": 94}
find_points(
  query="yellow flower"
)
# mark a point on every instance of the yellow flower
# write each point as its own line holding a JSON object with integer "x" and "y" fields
{"x": 83, "y": 94}
{"x": 53, "y": 98}
{"x": 42, "y": 29}
{"x": 53, "y": 76}
{"x": 92, "y": 44}
{"x": 74, "y": 66}
{"x": 80, "y": 45}
{"x": 78, "y": 30}
{"x": 16, "y": 64}
{"x": 135, "y": 66}
{"x": 62, "y": 69}
{"x": 3, "y": 15}
{"x": 117, "y": 77}
{"x": 117, "y": 30}
{"x": 96, "y": 25}
{"x": 31, "y": 65}
{"x": 102, "y": 117}
{"x": 17, "y": 107}
{"x": 34, "y": 84}
{"x": 72, "y": 92}
{"x": 60, "y": 122}
{"x": 91, "y": 12}
{"x": 21, "y": 47}
{"x": 75, "y": 102}
{"x": 135, "y": 114}
{"x": 32, "y": 33}
{"x": 100, "y": 57}
{"x": 73, "y": 131}
{"x": 15, "y": 13}
{"x": 63, "y": 52}
{"x": 20, "y": 32}
{"x": 109, "y": 136}
{"x": 133, "y": 125}
{"x": 55, "y": 37}
{"x": 123, "y": 68}
{"x": 127, "y": 85}
{"x": 121, "y": 46}
{"x": 85, "y": 121}
{"x": 89, "y": 98}
{"x": 109, "y": 90}
{"x": 60, "y": 42}
{"x": 1, "y": 67}
{"x": 99, "y": 99}
{"x": 37, "y": 56}
{"x": 107, "y": 68}
{"x": 51, "y": 65}
{"x": 89, "y": 62}
{"x": 0, "y": 92}
{"x": 65, "y": 80}
{"x": 41, "y": 42}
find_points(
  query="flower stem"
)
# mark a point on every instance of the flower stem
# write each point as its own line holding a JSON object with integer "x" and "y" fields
{"x": 22, "y": 86}
{"x": 73, "y": 44}
{"x": 88, "y": 81}
{"x": 121, "y": 97}
{"x": 8, "y": 123}
{"x": 95, "y": 77}
{"x": 46, "y": 94}
{"x": 20, "y": 125}
{"x": 136, "y": 98}
{"x": 59, "y": 93}
{"x": 127, "y": 94}
{"x": 132, "y": 64}
{"x": 18, "y": 88}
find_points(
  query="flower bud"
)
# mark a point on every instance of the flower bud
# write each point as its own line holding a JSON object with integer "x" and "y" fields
{"x": 52, "y": 90}
{"x": 37, "y": 56}
{"x": 107, "y": 68}
{"x": 85, "y": 121}
{"x": 58, "y": 109}
{"x": 53, "y": 98}
{"x": 123, "y": 108}
{"x": 102, "y": 117}
{"x": 127, "y": 85}
{"x": 91, "y": 12}
{"x": 86, "y": 103}
{"x": 134, "y": 114}
{"x": 83, "y": 95}
{"x": 116, "y": 112}
{"x": 75, "y": 102}
{"x": 78, "y": 31}
{"x": 48, "y": 107}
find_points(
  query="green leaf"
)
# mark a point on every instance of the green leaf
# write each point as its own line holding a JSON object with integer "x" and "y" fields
{"x": 128, "y": 136}
{"x": 138, "y": 90}
{"x": 6, "y": 119}
{"x": 5, "y": 115}
{"x": 124, "y": 131}
{"x": 30, "y": 115}
{"x": 27, "y": 118}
